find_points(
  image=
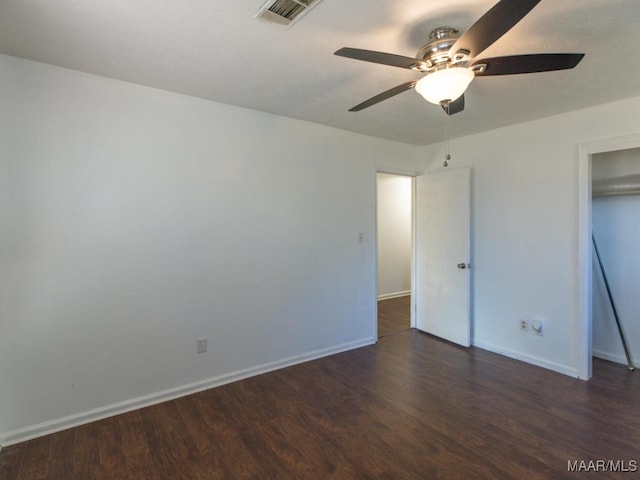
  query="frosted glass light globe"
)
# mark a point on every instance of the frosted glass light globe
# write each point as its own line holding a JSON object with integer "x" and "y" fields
{"x": 444, "y": 85}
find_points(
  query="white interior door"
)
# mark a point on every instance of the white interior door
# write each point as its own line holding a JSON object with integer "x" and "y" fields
{"x": 442, "y": 254}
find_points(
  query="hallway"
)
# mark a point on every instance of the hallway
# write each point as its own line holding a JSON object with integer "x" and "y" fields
{"x": 394, "y": 315}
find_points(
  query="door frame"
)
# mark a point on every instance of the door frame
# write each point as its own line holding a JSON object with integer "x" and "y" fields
{"x": 405, "y": 173}
{"x": 585, "y": 281}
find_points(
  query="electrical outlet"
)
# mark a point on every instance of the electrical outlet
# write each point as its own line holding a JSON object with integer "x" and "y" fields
{"x": 201, "y": 344}
{"x": 536, "y": 326}
{"x": 524, "y": 325}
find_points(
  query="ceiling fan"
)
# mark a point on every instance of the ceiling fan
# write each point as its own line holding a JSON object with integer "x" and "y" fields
{"x": 449, "y": 61}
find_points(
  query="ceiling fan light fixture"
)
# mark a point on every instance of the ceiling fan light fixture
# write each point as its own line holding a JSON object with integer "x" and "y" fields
{"x": 445, "y": 85}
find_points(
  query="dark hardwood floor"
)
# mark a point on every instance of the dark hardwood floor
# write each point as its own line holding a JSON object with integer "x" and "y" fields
{"x": 410, "y": 407}
{"x": 394, "y": 315}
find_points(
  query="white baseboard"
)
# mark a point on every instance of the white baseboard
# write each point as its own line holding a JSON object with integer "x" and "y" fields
{"x": 612, "y": 357}
{"x": 388, "y": 296}
{"x": 539, "y": 362}
{"x": 52, "y": 426}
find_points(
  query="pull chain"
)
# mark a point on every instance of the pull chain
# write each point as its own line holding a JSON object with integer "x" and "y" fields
{"x": 447, "y": 155}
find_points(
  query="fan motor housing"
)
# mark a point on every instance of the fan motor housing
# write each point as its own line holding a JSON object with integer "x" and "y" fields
{"x": 436, "y": 52}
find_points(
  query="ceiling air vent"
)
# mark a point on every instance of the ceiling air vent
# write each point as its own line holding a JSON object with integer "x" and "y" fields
{"x": 285, "y": 12}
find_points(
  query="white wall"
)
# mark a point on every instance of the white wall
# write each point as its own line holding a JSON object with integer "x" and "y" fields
{"x": 134, "y": 221}
{"x": 616, "y": 223}
{"x": 525, "y": 228}
{"x": 394, "y": 235}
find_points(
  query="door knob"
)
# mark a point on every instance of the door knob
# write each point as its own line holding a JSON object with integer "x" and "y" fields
{"x": 463, "y": 266}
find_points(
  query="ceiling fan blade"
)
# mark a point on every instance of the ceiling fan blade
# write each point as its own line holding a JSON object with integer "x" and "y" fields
{"x": 382, "y": 58}
{"x": 541, "y": 62}
{"x": 454, "y": 107}
{"x": 384, "y": 95}
{"x": 492, "y": 25}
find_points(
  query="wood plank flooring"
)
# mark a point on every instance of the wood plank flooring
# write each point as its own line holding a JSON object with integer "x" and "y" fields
{"x": 394, "y": 315}
{"x": 410, "y": 407}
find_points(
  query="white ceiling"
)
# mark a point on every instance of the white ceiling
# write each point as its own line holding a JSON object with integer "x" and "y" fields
{"x": 217, "y": 50}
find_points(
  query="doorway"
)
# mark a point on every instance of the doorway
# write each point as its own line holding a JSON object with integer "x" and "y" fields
{"x": 587, "y": 153}
{"x": 615, "y": 210}
{"x": 394, "y": 207}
